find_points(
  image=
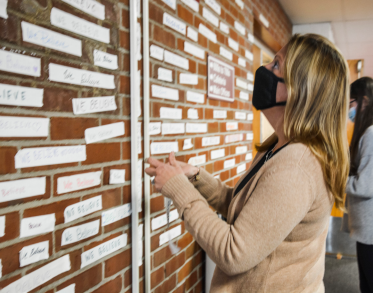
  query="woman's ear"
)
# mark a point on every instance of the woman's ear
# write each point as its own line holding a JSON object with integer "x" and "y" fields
{"x": 365, "y": 102}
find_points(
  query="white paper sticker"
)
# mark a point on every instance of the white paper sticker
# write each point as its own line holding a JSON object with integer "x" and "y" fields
{"x": 244, "y": 95}
{"x": 207, "y": 33}
{"x": 210, "y": 141}
{"x": 240, "y": 3}
{"x": 82, "y": 208}
{"x": 164, "y": 93}
{"x": 3, "y": 14}
{"x": 138, "y": 33}
{"x": 2, "y": 226}
{"x": 240, "y": 115}
{"x": 81, "y": 232}
{"x": 217, "y": 153}
{"x": 250, "y": 116}
{"x": 69, "y": 22}
{"x": 249, "y": 55}
{"x": 164, "y": 74}
{"x": 78, "y": 182}
{"x": 171, "y": 113}
{"x": 21, "y": 96}
{"x": 174, "y": 23}
{"x": 196, "y": 128}
{"x": 194, "y": 50}
{"x": 224, "y": 27}
{"x": 139, "y": 137}
{"x": 192, "y": 113}
{"x": 93, "y": 104}
{"x": 156, "y": 52}
{"x": 171, "y": 128}
{"x": 240, "y": 83}
{"x": 210, "y": 17}
{"x": 50, "y": 39}
{"x": 103, "y": 249}
{"x": 233, "y": 138}
{"x": 154, "y": 128}
{"x": 19, "y": 189}
{"x": 37, "y": 225}
{"x": 249, "y": 156}
{"x": 250, "y": 87}
{"x": 140, "y": 244}
{"x": 217, "y": 177}
{"x": 229, "y": 163}
{"x": 233, "y": 44}
{"x": 69, "y": 75}
{"x": 163, "y": 147}
{"x": 176, "y": 60}
{"x": 250, "y": 76}
{"x": 241, "y": 62}
{"x": 188, "y": 79}
{"x": 250, "y": 37}
{"x": 249, "y": 136}
{"x": 241, "y": 168}
{"x": 116, "y": 176}
{"x": 220, "y": 114}
{"x": 34, "y": 253}
{"x": 194, "y": 97}
{"x": 192, "y": 34}
{"x": 89, "y": 6}
{"x": 264, "y": 20}
{"x": 139, "y": 184}
{"x": 39, "y": 276}
{"x": 170, "y": 3}
{"x": 106, "y": 60}
{"x": 226, "y": 53}
{"x": 239, "y": 27}
{"x": 241, "y": 149}
{"x": 105, "y": 132}
{"x": 17, "y": 126}
{"x": 29, "y": 157}
{"x": 161, "y": 221}
{"x": 187, "y": 144}
{"x": 19, "y": 63}
{"x": 69, "y": 289}
{"x": 169, "y": 235}
{"x": 231, "y": 126}
{"x": 214, "y": 5}
{"x": 197, "y": 160}
{"x": 193, "y": 4}
{"x": 113, "y": 215}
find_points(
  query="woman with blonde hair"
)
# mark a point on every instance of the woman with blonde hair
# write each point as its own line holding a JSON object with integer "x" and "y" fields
{"x": 278, "y": 212}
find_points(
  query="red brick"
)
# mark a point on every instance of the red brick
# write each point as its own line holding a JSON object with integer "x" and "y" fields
{"x": 117, "y": 263}
{"x": 64, "y": 128}
{"x": 113, "y": 286}
{"x": 102, "y": 152}
{"x": 167, "y": 286}
{"x": 157, "y": 277}
{"x": 7, "y": 165}
{"x": 175, "y": 263}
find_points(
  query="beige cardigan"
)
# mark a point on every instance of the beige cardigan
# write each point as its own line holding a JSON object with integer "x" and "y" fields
{"x": 277, "y": 242}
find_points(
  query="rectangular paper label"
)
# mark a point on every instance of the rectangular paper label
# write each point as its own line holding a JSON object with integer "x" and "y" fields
{"x": 224, "y": 27}
{"x": 240, "y": 3}
{"x": 89, "y": 6}
{"x": 233, "y": 44}
{"x": 163, "y": 147}
{"x": 105, "y": 132}
{"x": 250, "y": 37}
{"x": 196, "y": 128}
{"x": 233, "y": 138}
{"x": 249, "y": 136}
{"x": 17, "y": 126}
{"x": 210, "y": 17}
{"x": 249, "y": 156}
{"x": 210, "y": 141}
{"x": 81, "y": 232}
{"x": 241, "y": 83}
{"x": 116, "y": 176}
{"x": 241, "y": 168}
{"x": 34, "y": 253}
{"x": 115, "y": 214}
{"x": 3, "y": 14}
{"x": 194, "y": 50}
{"x": 82, "y": 208}
{"x": 165, "y": 74}
{"x": 156, "y": 52}
{"x": 231, "y": 126}
{"x": 229, "y": 163}
{"x": 220, "y": 114}
{"x": 50, "y": 39}
{"x": 37, "y": 225}
{"x": 164, "y": 93}
{"x": 155, "y": 128}
{"x": 214, "y": 5}
{"x": 70, "y": 75}
{"x": 250, "y": 116}
{"x": 194, "y": 97}
{"x": 161, "y": 221}
{"x": 197, "y": 160}
{"x": 241, "y": 149}
{"x": 217, "y": 153}
{"x": 192, "y": 113}
{"x": 187, "y": 144}
{"x": 103, "y": 249}
{"x": 241, "y": 62}
{"x": 169, "y": 235}
{"x": 192, "y": 34}
{"x": 171, "y": 113}
{"x": 174, "y": 23}
{"x": 244, "y": 95}
{"x": 106, "y": 60}
{"x": 264, "y": 20}
{"x": 140, "y": 244}
{"x": 78, "y": 182}
{"x": 240, "y": 115}
{"x": 250, "y": 76}
{"x": 207, "y": 33}
{"x": 249, "y": 56}
{"x": 250, "y": 87}
{"x": 170, "y": 3}
{"x": 21, "y": 96}
{"x": 93, "y": 104}
{"x": 170, "y": 128}
{"x": 226, "y": 53}
{"x": 239, "y": 27}
{"x": 2, "y": 226}
{"x": 193, "y": 4}
{"x": 19, "y": 63}
{"x": 69, "y": 289}
{"x": 19, "y": 189}
{"x": 69, "y": 22}
{"x": 176, "y": 60}
{"x": 188, "y": 79}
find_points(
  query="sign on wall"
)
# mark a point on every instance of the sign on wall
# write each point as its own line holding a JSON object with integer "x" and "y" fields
{"x": 220, "y": 80}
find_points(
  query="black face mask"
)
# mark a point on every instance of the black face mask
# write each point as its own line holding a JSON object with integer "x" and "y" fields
{"x": 265, "y": 85}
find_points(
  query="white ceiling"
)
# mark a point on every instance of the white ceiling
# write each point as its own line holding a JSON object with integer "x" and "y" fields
{"x": 351, "y": 21}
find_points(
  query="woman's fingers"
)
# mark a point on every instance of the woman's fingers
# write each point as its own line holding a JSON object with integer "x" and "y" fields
{"x": 151, "y": 171}
{"x": 172, "y": 159}
{"x": 154, "y": 162}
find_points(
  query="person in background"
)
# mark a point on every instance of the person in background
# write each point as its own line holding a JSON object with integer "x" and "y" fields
{"x": 359, "y": 188}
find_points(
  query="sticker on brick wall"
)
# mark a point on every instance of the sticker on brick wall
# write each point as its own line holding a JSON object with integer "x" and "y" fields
{"x": 264, "y": 20}
{"x": 138, "y": 32}
{"x": 39, "y": 276}
{"x": 250, "y": 116}
{"x": 81, "y": 232}
{"x": 193, "y": 4}
{"x": 250, "y": 87}
{"x": 163, "y": 147}
{"x": 34, "y": 253}
{"x": 240, "y": 83}
{"x": 217, "y": 154}
{"x": 171, "y": 113}
{"x": 187, "y": 144}
{"x": 161, "y": 221}
{"x": 82, "y": 208}
{"x": 21, "y": 96}
{"x": 249, "y": 55}
{"x": 113, "y": 215}
{"x": 241, "y": 168}
{"x": 220, "y": 80}
{"x": 170, "y": 3}
{"x": 214, "y": 5}
{"x": 194, "y": 50}
{"x": 239, "y": 27}
{"x": 210, "y": 141}
{"x": 233, "y": 138}
{"x": 174, "y": 23}
{"x": 139, "y": 184}
{"x": 224, "y": 27}
{"x": 240, "y": 115}
{"x": 164, "y": 74}
{"x": 192, "y": 113}
{"x": 231, "y": 126}
{"x": 229, "y": 163}
{"x": 240, "y": 3}
{"x": 2, "y": 226}
{"x": 154, "y": 128}
{"x": 241, "y": 62}
{"x": 208, "y": 15}
{"x": 50, "y": 39}
{"x": 172, "y": 128}
{"x": 140, "y": 244}
{"x": 194, "y": 97}
{"x": 250, "y": 76}
{"x": 106, "y": 60}
{"x": 241, "y": 149}
{"x": 89, "y": 6}
{"x": 101, "y": 133}
{"x": 249, "y": 156}
{"x": 69, "y": 22}
{"x": 78, "y": 182}
{"x": 176, "y": 60}
{"x": 164, "y": 93}
{"x": 103, "y": 249}
{"x": 116, "y": 176}
{"x": 156, "y": 52}
{"x": 93, "y": 104}
{"x": 250, "y": 37}
{"x": 19, "y": 63}
{"x": 18, "y": 126}
{"x": 249, "y": 136}
{"x": 210, "y": 35}
{"x": 197, "y": 160}
{"x": 37, "y": 225}
{"x": 192, "y": 34}
{"x": 196, "y": 128}
{"x": 220, "y": 114}
{"x": 188, "y": 79}
{"x": 233, "y": 44}
{"x": 3, "y": 14}
{"x": 69, "y": 289}
{"x": 18, "y": 189}
{"x": 69, "y": 75}
{"x": 226, "y": 53}
{"x": 217, "y": 177}
{"x": 169, "y": 235}
{"x": 244, "y": 95}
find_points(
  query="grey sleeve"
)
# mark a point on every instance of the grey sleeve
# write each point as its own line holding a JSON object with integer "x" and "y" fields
{"x": 361, "y": 185}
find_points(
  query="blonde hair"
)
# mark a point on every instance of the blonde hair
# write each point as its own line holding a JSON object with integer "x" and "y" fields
{"x": 317, "y": 80}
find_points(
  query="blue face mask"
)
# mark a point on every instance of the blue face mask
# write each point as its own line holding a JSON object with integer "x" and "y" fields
{"x": 352, "y": 112}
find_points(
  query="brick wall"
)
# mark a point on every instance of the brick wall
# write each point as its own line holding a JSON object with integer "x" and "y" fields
{"x": 184, "y": 271}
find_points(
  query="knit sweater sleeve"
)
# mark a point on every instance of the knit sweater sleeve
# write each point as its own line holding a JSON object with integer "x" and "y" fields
{"x": 280, "y": 201}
